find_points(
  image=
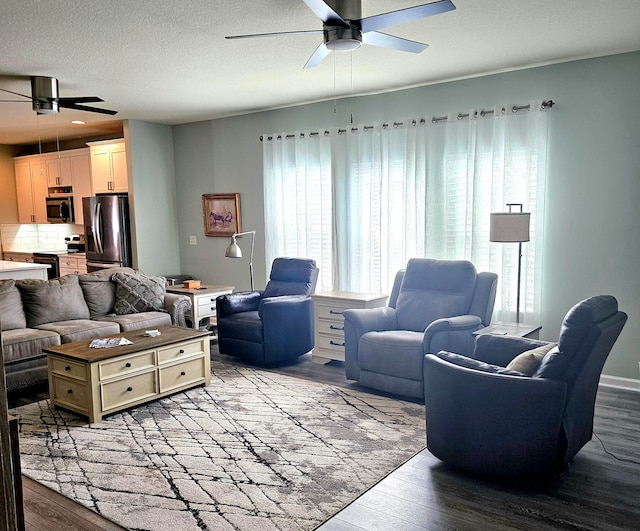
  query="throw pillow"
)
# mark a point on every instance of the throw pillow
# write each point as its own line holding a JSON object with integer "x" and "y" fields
{"x": 11, "y": 311}
{"x": 138, "y": 293}
{"x": 99, "y": 291}
{"x": 471, "y": 363}
{"x": 50, "y": 301}
{"x": 529, "y": 361}
{"x": 553, "y": 365}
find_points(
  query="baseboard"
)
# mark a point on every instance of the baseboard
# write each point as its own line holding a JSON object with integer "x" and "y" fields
{"x": 618, "y": 382}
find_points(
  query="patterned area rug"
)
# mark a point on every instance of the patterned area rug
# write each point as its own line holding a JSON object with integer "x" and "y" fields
{"x": 255, "y": 450}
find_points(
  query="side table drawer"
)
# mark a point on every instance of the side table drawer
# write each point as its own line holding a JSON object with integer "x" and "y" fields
{"x": 70, "y": 393}
{"x": 206, "y": 307}
{"x": 333, "y": 311}
{"x": 118, "y": 393}
{"x": 181, "y": 374}
{"x": 333, "y": 327}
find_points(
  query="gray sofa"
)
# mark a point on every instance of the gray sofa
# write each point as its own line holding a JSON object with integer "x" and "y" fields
{"x": 35, "y": 314}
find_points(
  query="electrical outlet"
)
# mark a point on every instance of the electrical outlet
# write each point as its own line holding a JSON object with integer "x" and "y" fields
{"x": 192, "y": 240}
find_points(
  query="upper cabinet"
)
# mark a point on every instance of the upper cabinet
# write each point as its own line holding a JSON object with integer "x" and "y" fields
{"x": 66, "y": 173}
{"x": 109, "y": 167}
{"x": 31, "y": 188}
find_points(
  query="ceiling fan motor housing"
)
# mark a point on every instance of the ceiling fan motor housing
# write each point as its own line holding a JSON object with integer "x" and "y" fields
{"x": 44, "y": 93}
{"x": 341, "y": 39}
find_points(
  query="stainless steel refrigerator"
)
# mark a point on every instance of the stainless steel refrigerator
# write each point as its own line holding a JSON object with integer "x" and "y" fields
{"x": 107, "y": 232}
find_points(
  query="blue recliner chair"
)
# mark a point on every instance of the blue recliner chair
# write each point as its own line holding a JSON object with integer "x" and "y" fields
{"x": 275, "y": 324}
{"x": 486, "y": 416}
{"x": 434, "y": 305}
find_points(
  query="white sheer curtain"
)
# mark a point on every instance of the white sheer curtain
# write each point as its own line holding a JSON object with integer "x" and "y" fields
{"x": 420, "y": 188}
{"x": 298, "y": 200}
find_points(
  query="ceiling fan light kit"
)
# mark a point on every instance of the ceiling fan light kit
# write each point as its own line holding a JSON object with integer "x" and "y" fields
{"x": 345, "y": 30}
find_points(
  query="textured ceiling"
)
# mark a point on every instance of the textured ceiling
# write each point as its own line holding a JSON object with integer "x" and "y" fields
{"x": 167, "y": 61}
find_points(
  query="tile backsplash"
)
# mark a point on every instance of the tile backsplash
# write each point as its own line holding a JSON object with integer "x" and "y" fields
{"x": 36, "y": 237}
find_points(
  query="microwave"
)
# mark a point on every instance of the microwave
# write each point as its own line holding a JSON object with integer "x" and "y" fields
{"x": 60, "y": 209}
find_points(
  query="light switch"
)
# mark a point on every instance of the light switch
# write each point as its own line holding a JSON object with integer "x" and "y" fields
{"x": 192, "y": 240}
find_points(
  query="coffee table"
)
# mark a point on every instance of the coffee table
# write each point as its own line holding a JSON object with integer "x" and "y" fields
{"x": 98, "y": 381}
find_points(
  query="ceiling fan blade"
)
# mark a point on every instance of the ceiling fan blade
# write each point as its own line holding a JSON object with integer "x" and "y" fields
{"x": 15, "y": 93}
{"x": 318, "y": 56}
{"x": 401, "y": 16}
{"x": 325, "y": 13}
{"x": 383, "y": 40}
{"x": 251, "y": 36}
{"x": 68, "y": 105}
{"x": 80, "y": 99}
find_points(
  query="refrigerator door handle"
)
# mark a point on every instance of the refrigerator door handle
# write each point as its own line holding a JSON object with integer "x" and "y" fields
{"x": 97, "y": 237}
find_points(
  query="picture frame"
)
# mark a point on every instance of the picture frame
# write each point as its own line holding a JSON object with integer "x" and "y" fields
{"x": 221, "y": 214}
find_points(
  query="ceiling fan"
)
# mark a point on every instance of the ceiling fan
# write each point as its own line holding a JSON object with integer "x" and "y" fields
{"x": 344, "y": 29}
{"x": 45, "y": 99}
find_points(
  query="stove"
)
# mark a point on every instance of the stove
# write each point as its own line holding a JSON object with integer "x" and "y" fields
{"x": 50, "y": 258}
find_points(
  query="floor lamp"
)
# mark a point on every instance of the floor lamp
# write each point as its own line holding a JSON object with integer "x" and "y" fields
{"x": 234, "y": 251}
{"x": 511, "y": 227}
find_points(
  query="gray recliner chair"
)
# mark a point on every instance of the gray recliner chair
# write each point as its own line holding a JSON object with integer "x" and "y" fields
{"x": 484, "y": 418}
{"x": 434, "y": 305}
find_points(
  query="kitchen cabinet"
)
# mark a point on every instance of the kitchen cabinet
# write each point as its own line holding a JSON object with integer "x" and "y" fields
{"x": 18, "y": 257}
{"x": 31, "y": 190}
{"x": 59, "y": 171}
{"x": 70, "y": 264}
{"x": 108, "y": 167}
{"x": 328, "y": 309}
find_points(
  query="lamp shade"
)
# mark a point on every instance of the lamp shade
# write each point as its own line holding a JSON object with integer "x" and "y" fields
{"x": 233, "y": 250}
{"x": 509, "y": 226}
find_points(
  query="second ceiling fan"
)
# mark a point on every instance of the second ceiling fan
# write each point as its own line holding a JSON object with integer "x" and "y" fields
{"x": 344, "y": 29}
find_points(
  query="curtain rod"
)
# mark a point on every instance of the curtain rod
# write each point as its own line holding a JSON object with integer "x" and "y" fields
{"x": 436, "y": 119}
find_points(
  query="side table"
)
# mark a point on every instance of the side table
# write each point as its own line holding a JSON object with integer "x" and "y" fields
{"x": 511, "y": 329}
{"x": 203, "y": 301}
{"x": 328, "y": 308}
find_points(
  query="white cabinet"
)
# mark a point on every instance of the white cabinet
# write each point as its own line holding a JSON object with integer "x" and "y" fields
{"x": 31, "y": 189}
{"x": 108, "y": 167}
{"x": 58, "y": 171}
{"x": 328, "y": 310}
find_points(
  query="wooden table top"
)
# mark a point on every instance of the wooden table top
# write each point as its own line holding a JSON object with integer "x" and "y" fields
{"x": 80, "y": 350}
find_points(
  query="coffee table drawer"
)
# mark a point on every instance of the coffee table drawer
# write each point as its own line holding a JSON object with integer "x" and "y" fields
{"x": 119, "y": 393}
{"x": 186, "y": 373}
{"x": 70, "y": 369}
{"x": 181, "y": 350}
{"x": 125, "y": 365}
{"x": 71, "y": 393}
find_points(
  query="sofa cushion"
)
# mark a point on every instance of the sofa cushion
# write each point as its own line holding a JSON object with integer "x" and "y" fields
{"x": 477, "y": 365}
{"x": 81, "y": 329}
{"x": 136, "y": 321}
{"x": 100, "y": 291}
{"x": 396, "y": 353}
{"x": 47, "y": 301}
{"x": 529, "y": 361}
{"x": 246, "y": 326}
{"x": 11, "y": 311}
{"x": 24, "y": 343}
{"x": 138, "y": 293}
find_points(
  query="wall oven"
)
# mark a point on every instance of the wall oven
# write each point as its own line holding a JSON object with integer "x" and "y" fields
{"x": 51, "y": 260}
{"x": 60, "y": 209}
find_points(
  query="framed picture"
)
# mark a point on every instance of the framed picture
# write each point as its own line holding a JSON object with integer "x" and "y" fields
{"x": 221, "y": 213}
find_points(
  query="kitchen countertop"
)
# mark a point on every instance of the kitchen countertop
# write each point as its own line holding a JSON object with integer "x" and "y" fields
{"x": 20, "y": 266}
{"x": 22, "y": 270}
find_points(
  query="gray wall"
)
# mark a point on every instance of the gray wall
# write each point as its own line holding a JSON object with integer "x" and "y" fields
{"x": 591, "y": 243}
{"x": 152, "y": 197}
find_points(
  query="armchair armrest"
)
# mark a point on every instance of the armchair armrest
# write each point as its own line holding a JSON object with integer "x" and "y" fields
{"x": 287, "y": 326}
{"x": 177, "y": 306}
{"x": 359, "y": 322}
{"x": 243, "y": 301}
{"x": 451, "y": 333}
{"x": 492, "y": 423}
{"x": 500, "y": 350}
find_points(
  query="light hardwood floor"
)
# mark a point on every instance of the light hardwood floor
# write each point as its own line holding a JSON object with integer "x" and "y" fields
{"x": 599, "y": 492}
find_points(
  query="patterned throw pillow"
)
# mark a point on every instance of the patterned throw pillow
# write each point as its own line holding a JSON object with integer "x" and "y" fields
{"x": 138, "y": 293}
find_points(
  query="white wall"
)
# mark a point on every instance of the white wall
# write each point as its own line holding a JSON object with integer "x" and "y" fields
{"x": 152, "y": 197}
{"x": 591, "y": 244}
